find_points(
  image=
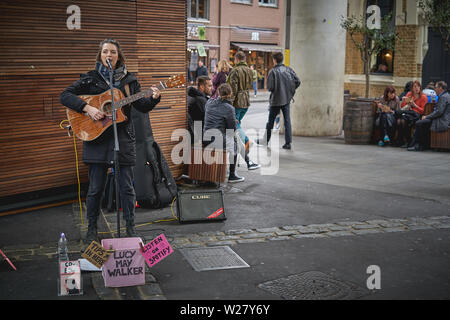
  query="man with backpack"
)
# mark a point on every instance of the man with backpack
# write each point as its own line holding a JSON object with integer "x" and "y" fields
{"x": 240, "y": 80}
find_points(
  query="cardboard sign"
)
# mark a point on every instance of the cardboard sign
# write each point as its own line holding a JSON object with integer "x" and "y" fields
{"x": 96, "y": 254}
{"x": 156, "y": 250}
{"x": 69, "y": 278}
{"x": 125, "y": 266}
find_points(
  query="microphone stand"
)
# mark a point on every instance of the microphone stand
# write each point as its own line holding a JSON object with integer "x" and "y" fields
{"x": 116, "y": 145}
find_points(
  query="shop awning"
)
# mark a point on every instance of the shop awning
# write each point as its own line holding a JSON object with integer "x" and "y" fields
{"x": 257, "y": 47}
{"x": 193, "y": 45}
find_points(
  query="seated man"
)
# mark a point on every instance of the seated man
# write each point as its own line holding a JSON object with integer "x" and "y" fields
{"x": 437, "y": 121}
{"x": 196, "y": 101}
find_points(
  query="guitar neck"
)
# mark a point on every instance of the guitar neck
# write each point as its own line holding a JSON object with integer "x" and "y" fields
{"x": 137, "y": 96}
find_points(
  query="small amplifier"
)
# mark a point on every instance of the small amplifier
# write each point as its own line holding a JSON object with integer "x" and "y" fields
{"x": 205, "y": 205}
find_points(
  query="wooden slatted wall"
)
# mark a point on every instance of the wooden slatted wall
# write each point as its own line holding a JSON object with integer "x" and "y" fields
{"x": 161, "y": 43}
{"x": 40, "y": 57}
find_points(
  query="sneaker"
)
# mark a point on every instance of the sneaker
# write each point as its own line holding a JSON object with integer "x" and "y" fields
{"x": 252, "y": 166}
{"x": 416, "y": 147}
{"x": 381, "y": 143}
{"x": 287, "y": 146}
{"x": 404, "y": 145}
{"x": 386, "y": 139}
{"x": 233, "y": 178}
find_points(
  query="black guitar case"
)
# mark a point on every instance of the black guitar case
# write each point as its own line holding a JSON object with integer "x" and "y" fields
{"x": 153, "y": 181}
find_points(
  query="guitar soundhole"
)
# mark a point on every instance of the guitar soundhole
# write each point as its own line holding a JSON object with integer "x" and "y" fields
{"x": 107, "y": 109}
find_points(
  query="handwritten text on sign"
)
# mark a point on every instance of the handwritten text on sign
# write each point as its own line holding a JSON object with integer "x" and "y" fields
{"x": 156, "y": 250}
{"x": 96, "y": 254}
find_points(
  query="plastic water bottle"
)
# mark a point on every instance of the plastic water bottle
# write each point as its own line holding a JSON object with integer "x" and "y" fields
{"x": 62, "y": 248}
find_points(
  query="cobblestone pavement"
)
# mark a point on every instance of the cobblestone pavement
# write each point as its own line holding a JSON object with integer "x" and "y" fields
{"x": 238, "y": 236}
{"x": 328, "y": 230}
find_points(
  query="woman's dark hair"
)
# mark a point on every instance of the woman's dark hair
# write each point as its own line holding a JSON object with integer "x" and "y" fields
{"x": 389, "y": 89}
{"x": 408, "y": 86}
{"x": 224, "y": 91}
{"x": 121, "y": 60}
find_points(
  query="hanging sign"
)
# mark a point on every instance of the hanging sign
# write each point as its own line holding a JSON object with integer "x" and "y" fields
{"x": 201, "y": 50}
{"x": 201, "y": 33}
{"x": 156, "y": 250}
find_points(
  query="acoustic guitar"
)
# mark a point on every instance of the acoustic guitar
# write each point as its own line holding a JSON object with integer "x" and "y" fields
{"x": 87, "y": 129}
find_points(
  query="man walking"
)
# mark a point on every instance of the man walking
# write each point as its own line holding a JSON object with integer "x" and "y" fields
{"x": 282, "y": 82}
{"x": 437, "y": 121}
{"x": 240, "y": 79}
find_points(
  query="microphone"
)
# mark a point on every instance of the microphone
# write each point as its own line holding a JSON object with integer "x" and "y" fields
{"x": 108, "y": 61}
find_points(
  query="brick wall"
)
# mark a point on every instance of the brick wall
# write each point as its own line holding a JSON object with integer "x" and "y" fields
{"x": 405, "y": 55}
{"x": 405, "y": 62}
{"x": 358, "y": 90}
{"x": 353, "y": 61}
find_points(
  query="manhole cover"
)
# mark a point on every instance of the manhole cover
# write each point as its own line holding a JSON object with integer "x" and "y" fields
{"x": 214, "y": 258}
{"x": 313, "y": 285}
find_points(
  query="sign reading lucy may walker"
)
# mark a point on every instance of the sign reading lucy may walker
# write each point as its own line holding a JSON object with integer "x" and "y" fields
{"x": 125, "y": 266}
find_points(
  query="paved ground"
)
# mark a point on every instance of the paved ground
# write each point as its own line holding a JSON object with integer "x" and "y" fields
{"x": 331, "y": 211}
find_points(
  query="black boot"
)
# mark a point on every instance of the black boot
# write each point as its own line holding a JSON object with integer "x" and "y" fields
{"x": 131, "y": 229}
{"x": 91, "y": 234}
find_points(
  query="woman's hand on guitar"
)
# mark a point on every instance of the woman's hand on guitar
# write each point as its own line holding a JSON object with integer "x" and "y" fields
{"x": 156, "y": 92}
{"x": 93, "y": 112}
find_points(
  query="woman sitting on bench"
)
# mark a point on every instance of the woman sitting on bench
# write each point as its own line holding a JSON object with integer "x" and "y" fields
{"x": 413, "y": 106}
{"x": 387, "y": 106}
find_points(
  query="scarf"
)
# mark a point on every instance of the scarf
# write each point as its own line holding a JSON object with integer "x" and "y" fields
{"x": 118, "y": 74}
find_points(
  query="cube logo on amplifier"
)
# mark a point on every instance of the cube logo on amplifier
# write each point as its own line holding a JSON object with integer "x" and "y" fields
{"x": 200, "y": 196}
{"x": 200, "y": 206}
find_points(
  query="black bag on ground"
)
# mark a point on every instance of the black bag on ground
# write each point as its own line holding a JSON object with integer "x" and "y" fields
{"x": 153, "y": 182}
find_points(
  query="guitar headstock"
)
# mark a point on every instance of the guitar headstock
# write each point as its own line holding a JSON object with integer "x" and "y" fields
{"x": 176, "y": 81}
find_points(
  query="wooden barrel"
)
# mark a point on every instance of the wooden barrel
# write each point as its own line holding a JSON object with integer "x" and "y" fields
{"x": 359, "y": 115}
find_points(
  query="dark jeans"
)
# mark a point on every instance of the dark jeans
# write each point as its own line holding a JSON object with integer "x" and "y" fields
{"x": 97, "y": 182}
{"x": 273, "y": 112}
{"x": 422, "y": 132}
{"x": 387, "y": 125}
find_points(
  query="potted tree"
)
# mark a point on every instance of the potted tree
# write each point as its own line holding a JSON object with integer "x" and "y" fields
{"x": 370, "y": 37}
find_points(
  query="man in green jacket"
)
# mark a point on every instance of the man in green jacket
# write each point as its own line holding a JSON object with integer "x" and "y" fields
{"x": 240, "y": 79}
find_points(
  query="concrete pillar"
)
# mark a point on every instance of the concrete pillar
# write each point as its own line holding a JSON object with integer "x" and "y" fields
{"x": 317, "y": 46}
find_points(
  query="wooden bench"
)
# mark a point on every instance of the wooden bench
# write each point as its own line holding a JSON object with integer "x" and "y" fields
{"x": 216, "y": 171}
{"x": 438, "y": 140}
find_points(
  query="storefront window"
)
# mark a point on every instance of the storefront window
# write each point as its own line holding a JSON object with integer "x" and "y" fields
{"x": 383, "y": 62}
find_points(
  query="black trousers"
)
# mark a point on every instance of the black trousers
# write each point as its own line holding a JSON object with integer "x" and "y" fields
{"x": 422, "y": 132}
{"x": 387, "y": 125}
{"x": 97, "y": 182}
{"x": 273, "y": 112}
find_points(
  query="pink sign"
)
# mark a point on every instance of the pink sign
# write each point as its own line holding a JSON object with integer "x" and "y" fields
{"x": 156, "y": 250}
{"x": 125, "y": 266}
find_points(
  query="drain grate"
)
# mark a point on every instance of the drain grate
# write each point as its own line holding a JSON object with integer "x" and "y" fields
{"x": 313, "y": 285}
{"x": 213, "y": 258}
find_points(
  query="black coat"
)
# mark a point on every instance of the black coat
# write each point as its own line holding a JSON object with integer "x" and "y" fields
{"x": 101, "y": 150}
{"x": 196, "y": 101}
